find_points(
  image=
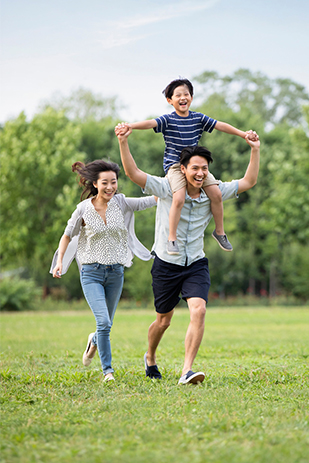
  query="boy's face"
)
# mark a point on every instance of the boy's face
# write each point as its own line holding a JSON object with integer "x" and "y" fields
{"x": 181, "y": 100}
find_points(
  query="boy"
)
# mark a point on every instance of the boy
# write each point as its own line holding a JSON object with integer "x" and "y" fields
{"x": 180, "y": 129}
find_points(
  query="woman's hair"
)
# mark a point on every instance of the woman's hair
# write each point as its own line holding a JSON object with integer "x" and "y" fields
{"x": 89, "y": 173}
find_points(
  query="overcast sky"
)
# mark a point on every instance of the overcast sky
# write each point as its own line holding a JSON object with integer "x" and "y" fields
{"x": 133, "y": 48}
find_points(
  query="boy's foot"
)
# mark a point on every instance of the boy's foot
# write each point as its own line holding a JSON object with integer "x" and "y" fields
{"x": 89, "y": 352}
{"x": 152, "y": 371}
{"x": 191, "y": 377}
{"x": 172, "y": 248}
{"x": 222, "y": 241}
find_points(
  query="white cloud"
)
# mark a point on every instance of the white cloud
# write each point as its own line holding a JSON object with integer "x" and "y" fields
{"x": 119, "y": 33}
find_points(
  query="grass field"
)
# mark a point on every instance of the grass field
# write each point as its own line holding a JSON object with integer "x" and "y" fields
{"x": 252, "y": 407}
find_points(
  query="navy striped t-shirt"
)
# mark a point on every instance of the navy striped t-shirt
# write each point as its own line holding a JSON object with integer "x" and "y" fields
{"x": 179, "y": 132}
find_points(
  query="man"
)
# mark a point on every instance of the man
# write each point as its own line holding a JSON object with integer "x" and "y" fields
{"x": 186, "y": 273}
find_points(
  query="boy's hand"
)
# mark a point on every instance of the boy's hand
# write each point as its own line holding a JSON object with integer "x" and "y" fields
{"x": 252, "y": 135}
{"x": 123, "y": 130}
{"x": 254, "y": 143}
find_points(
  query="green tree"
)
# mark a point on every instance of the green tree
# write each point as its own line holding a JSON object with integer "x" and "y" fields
{"x": 39, "y": 191}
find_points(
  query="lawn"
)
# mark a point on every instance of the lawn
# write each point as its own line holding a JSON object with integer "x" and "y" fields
{"x": 252, "y": 407}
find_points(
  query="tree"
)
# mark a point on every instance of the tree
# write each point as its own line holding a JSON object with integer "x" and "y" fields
{"x": 39, "y": 191}
{"x": 83, "y": 104}
{"x": 275, "y": 100}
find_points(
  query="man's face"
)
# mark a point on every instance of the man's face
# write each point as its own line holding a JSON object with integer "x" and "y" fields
{"x": 181, "y": 100}
{"x": 196, "y": 171}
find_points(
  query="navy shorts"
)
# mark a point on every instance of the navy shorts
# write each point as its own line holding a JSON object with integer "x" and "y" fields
{"x": 169, "y": 280}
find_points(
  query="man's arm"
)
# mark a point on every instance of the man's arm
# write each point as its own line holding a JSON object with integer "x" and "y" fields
{"x": 131, "y": 170}
{"x": 227, "y": 128}
{"x": 251, "y": 175}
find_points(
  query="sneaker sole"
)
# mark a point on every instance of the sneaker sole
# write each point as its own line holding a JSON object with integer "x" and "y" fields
{"x": 194, "y": 379}
{"x": 224, "y": 249}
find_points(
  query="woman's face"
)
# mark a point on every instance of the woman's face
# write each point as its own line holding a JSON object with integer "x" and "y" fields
{"x": 107, "y": 185}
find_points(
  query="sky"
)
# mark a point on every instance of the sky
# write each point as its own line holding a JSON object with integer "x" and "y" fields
{"x": 131, "y": 49}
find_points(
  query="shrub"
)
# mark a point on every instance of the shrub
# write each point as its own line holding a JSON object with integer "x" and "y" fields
{"x": 18, "y": 294}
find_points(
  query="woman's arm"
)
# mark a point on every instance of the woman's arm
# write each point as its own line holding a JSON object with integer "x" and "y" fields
{"x": 63, "y": 244}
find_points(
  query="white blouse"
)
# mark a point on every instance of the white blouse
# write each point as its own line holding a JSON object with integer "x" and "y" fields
{"x": 103, "y": 243}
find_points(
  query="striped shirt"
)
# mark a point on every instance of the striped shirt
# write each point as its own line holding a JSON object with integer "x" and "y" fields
{"x": 179, "y": 132}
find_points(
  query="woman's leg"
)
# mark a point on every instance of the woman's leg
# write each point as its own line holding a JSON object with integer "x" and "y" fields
{"x": 94, "y": 278}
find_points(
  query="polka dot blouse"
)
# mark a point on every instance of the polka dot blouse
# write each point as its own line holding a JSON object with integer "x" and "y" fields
{"x": 103, "y": 243}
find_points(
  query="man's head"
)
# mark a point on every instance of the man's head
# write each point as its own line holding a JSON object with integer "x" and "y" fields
{"x": 179, "y": 94}
{"x": 194, "y": 161}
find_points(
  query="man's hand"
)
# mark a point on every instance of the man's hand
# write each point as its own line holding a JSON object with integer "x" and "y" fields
{"x": 252, "y": 135}
{"x": 252, "y": 139}
{"x": 123, "y": 130}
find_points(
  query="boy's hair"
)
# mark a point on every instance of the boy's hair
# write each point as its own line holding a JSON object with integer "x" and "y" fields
{"x": 169, "y": 90}
{"x": 190, "y": 151}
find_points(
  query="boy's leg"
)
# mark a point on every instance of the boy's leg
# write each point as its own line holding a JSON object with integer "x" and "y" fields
{"x": 213, "y": 192}
{"x": 216, "y": 205}
{"x": 175, "y": 212}
{"x": 178, "y": 183}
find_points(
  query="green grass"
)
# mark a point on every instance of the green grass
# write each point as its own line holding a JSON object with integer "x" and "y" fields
{"x": 252, "y": 407}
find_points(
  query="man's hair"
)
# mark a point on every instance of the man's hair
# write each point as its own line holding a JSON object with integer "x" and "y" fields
{"x": 169, "y": 90}
{"x": 190, "y": 151}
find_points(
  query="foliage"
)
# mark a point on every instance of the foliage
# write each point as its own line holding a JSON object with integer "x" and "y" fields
{"x": 39, "y": 191}
{"x": 18, "y": 294}
{"x": 276, "y": 101}
{"x": 83, "y": 105}
{"x": 251, "y": 408}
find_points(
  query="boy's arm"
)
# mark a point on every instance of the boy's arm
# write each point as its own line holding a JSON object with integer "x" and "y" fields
{"x": 143, "y": 125}
{"x": 131, "y": 170}
{"x": 227, "y": 128}
{"x": 251, "y": 175}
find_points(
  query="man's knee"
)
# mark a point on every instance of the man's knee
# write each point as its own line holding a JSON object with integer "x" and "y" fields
{"x": 197, "y": 310}
{"x": 163, "y": 321}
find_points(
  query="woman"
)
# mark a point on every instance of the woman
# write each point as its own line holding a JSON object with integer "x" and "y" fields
{"x": 100, "y": 236}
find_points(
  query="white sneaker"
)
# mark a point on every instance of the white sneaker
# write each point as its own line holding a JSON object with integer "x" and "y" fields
{"x": 191, "y": 377}
{"x": 89, "y": 352}
{"x": 108, "y": 378}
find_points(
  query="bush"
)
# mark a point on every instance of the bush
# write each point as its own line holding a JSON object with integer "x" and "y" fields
{"x": 18, "y": 294}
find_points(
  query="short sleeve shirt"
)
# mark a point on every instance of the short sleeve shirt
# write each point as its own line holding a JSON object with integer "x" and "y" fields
{"x": 195, "y": 217}
{"x": 180, "y": 132}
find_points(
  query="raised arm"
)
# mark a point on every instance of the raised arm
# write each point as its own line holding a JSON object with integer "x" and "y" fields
{"x": 251, "y": 175}
{"x": 227, "y": 128}
{"x": 131, "y": 170}
{"x": 143, "y": 125}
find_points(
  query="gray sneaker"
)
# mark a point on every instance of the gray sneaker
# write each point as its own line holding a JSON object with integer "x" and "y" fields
{"x": 222, "y": 241}
{"x": 191, "y": 377}
{"x": 172, "y": 248}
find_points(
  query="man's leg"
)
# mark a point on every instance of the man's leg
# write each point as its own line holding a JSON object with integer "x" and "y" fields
{"x": 195, "y": 331}
{"x": 155, "y": 333}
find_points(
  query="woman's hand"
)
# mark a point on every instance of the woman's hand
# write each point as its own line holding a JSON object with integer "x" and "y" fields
{"x": 57, "y": 271}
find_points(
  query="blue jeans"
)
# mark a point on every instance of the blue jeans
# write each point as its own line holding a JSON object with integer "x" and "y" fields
{"x": 102, "y": 287}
